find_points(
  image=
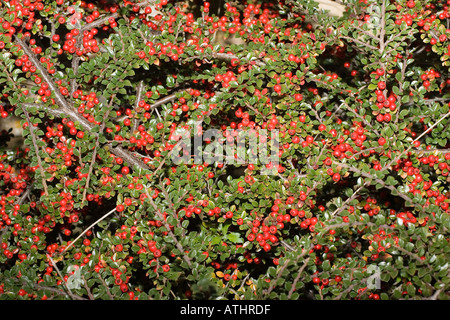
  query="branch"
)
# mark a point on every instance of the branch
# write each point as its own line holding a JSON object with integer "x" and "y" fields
{"x": 106, "y": 287}
{"x": 102, "y": 218}
{"x": 139, "y": 91}
{"x": 227, "y": 57}
{"x": 58, "y": 291}
{"x": 59, "y": 98}
{"x": 164, "y": 100}
{"x": 400, "y": 84}
{"x": 412, "y": 144}
{"x": 67, "y": 109}
{"x": 157, "y": 103}
{"x": 171, "y": 204}
{"x": 94, "y": 154}
{"x": 273, "y": 283}
{"x": 431, "y": 128}
{"x": 371, "y": 47}
{"x": 367, "y": 123}
{"x": 104, "y": 19}
{"x": 344, "y": 205}
{"x": 91, "y": 297}
{"x": 354, "y": 224}
{"x": 382, "y": 24}
{"x": 297, "y": 278}
{"x": 22, "y": 198}
{"x": 167, "y": 226}
{"x": 36, "y": 150}
{"x": 98, "y": 22}
{"x": 69, "y": 292}
{"x": 350, "y": 288}
{"x": 381, "y": 182}
{"x": 54, "y": 112}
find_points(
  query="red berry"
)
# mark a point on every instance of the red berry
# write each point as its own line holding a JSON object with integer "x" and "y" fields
{"x": 411, "y": 4}
{"x": 381, "y": 85}
{"x": 336, "y": 177}
{"x": 298, "y": 97}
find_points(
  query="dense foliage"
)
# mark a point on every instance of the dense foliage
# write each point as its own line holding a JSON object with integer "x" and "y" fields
{"x": 93, "y": 206}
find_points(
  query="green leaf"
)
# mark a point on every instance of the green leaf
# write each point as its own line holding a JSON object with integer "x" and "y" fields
{"x": 235, "y": 237}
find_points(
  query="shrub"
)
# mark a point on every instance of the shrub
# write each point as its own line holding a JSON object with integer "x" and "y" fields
{"x": 355, "y": 105}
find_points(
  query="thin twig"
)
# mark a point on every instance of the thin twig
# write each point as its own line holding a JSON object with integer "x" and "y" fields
{"x": 99, "y": 22}
{"x": 90, "y": 227}
{"x": 108, "y": 292}
{"x": 139, "y": 91}
{"x": 371, "y": 47}
{"x": 67, "y": 109}
{"x": 89, "y": 293}
{"x": 273, "y": 283}
{"x": 297, "y": 278}
{"x": 431, "y": 128}
{"x": 167, "y": 226}
{"x": 36, "y": 149}
{"x": 94, "y": 154}
{"x": 58, "y": 291}
{"x": 381, "y": 182}
{"x": 344, "y": 205}
{"x": 60, "y": 275}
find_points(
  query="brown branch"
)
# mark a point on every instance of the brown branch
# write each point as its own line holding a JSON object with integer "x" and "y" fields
{"x": 412, "y": 255}
{"x": 58, "y": 291}
{"x": 345, "y": 204}
{"x": 22, "y": 198}
{"x": 400, "y": 84}
{"x": 94, "y": 154}
{"x": 273, "y": 283}
{"x": 367, "y": 33}
{"x": 227, "y": 57}
{"x": 89, "y": 293}
{"x": 354, "y": 224}
{"x": 36, "y": 149}
{"x": 297, "y": 278}
{"x": 164, "y": 100}
{"x": 139, "y": 91}
{"x": 371, "y": 47}
{"x": 255, "y": 110}
{"x": 72, "y": 114}
{"x": 87, "y": 229}
{"x": 99, "y": 22}
{"x": 59, "y": 98}
{"x": 398, "y": 157}
{"x": 171, "y": 204}
{"x": 167, "y": 226}
{"x": 75, "y": 64}
{"x": 105, "y": 19}
{"x": 367, "y": 123}
{"x": 350, "y": 288}
{"x": 108, "y": 292}
{"x": 157, "y": 103}
{"x": 280, "y": 272}
{"x": 381, "y": 182}
{"x": 69, "y": 292}
{"x": 54, "y": 112}
{"x": 382, "y": 33}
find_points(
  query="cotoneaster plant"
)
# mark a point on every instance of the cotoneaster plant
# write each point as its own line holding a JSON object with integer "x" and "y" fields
{"x": 92, "y": 206}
